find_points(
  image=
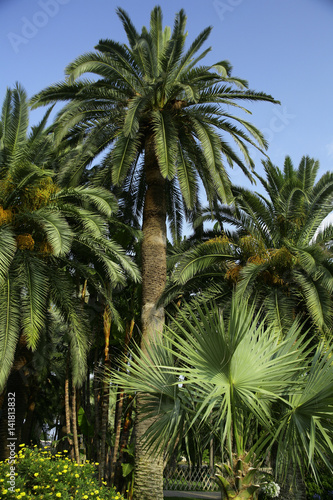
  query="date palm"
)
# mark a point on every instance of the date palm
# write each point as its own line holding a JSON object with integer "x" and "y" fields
{"x": 42, "y": 230}
{"x": 164, "y": 120}
{"x": 279, "y": 251}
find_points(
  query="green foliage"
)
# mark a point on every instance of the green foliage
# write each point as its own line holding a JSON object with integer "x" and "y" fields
{"x": 51, "y": 239}
{"x": 239, "y": 481}
{"x": 267, "y": 246}
{"x": 255, "y": 387}
{"x": 152, "y": 94}
{"x": 322, "y": 490}
{"x": 43, "y": 473}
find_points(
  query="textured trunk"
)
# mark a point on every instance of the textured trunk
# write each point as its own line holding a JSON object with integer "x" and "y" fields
{"x": 96, "y": 391}
{"x": 68, "y": 418}
{"x": 148, "y": 482}
{"x": 74, "y": 422}
{"x": 105, "y": 391}
{"x": 128, "y": 336}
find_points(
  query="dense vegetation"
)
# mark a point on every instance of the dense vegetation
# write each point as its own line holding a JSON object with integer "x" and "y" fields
{"x": 89, "y": 281}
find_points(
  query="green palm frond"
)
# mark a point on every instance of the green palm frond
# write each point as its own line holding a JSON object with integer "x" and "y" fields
{"x": 99, "y": 198}
{"x": 305, "y": 425}
{"x": 16, "y": 129}
{"x": 7, "y": 251}
{"x": 34, "y": 299}
{"x": 123, "y": 155}
{"x": 56, "y": 228}
{"x": 9, "y": 324}
{"x": 165, "y": 143}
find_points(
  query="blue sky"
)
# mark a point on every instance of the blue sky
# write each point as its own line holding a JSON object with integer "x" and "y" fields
{"x": 282, "y": 47}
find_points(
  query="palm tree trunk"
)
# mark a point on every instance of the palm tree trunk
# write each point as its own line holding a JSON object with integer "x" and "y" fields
{"x": 128, "y": 336}
{"x": 68, "y": 416}
{"x": 105, "y": 391}
{"x": 96, "y": 392}
{"x": 74, "y": 422}
{"x": 148, "y": 482}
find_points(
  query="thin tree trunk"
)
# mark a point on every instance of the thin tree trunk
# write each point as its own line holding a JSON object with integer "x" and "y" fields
{"x": 74, "y": 422}
{"x": 105, "y": 391}
{"x": 68, "y": 417}
{"x": 87, "y": 399}
{"x": 96, "y": 392}
{"x": 148, "y": 482}
{"x": 128, "y": 336}
{"x": 125, "y": 442}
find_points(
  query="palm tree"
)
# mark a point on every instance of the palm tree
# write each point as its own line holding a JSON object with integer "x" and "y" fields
{"x": 279, "y": 251}
{"x": 255, "y": 388}
{"x": 164, "y": 121}
{"x": 42, "y": 230}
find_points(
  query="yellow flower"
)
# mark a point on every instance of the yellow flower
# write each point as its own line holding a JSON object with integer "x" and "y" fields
{"x": 77, "y": 475}
{"x": 96, "y": 463}
{"x": 85, "y": 497}
{"x": 36, "y": 474}
{"x": 58, "y": 495}
{"x": 4, "y": 492}
{"x": 21, "y": 445}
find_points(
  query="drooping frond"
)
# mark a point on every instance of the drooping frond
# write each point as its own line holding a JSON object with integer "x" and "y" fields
{"x": 10, "y": 304}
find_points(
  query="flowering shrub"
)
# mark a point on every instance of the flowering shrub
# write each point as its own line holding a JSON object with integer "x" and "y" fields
{"x": 271, "y": 489}
{"x": 39, "y": 473}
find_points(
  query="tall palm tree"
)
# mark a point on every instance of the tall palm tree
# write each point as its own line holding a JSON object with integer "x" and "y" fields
{"x": 253, "y": 387}
{"x": 42, "y": 230}
{"x": 279, "y": 251}
{"x": 164, "y": 120}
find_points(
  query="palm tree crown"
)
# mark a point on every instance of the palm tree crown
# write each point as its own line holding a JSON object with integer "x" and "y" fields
{"x": 279, "y": 250}
{"x": 152, "y": 95}
{"x": 43, "y": 230}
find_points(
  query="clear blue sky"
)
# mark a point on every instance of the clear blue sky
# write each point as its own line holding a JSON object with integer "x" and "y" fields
{"x": 282, "y": 47}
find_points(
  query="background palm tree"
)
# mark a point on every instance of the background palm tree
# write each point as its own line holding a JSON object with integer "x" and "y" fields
{"x": 273, "y": 248}
{"x": 164, "y": 120}
{"x": 43, "y": 229}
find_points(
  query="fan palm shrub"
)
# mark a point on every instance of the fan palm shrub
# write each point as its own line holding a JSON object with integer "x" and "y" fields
{"x": 262, "y": 392}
